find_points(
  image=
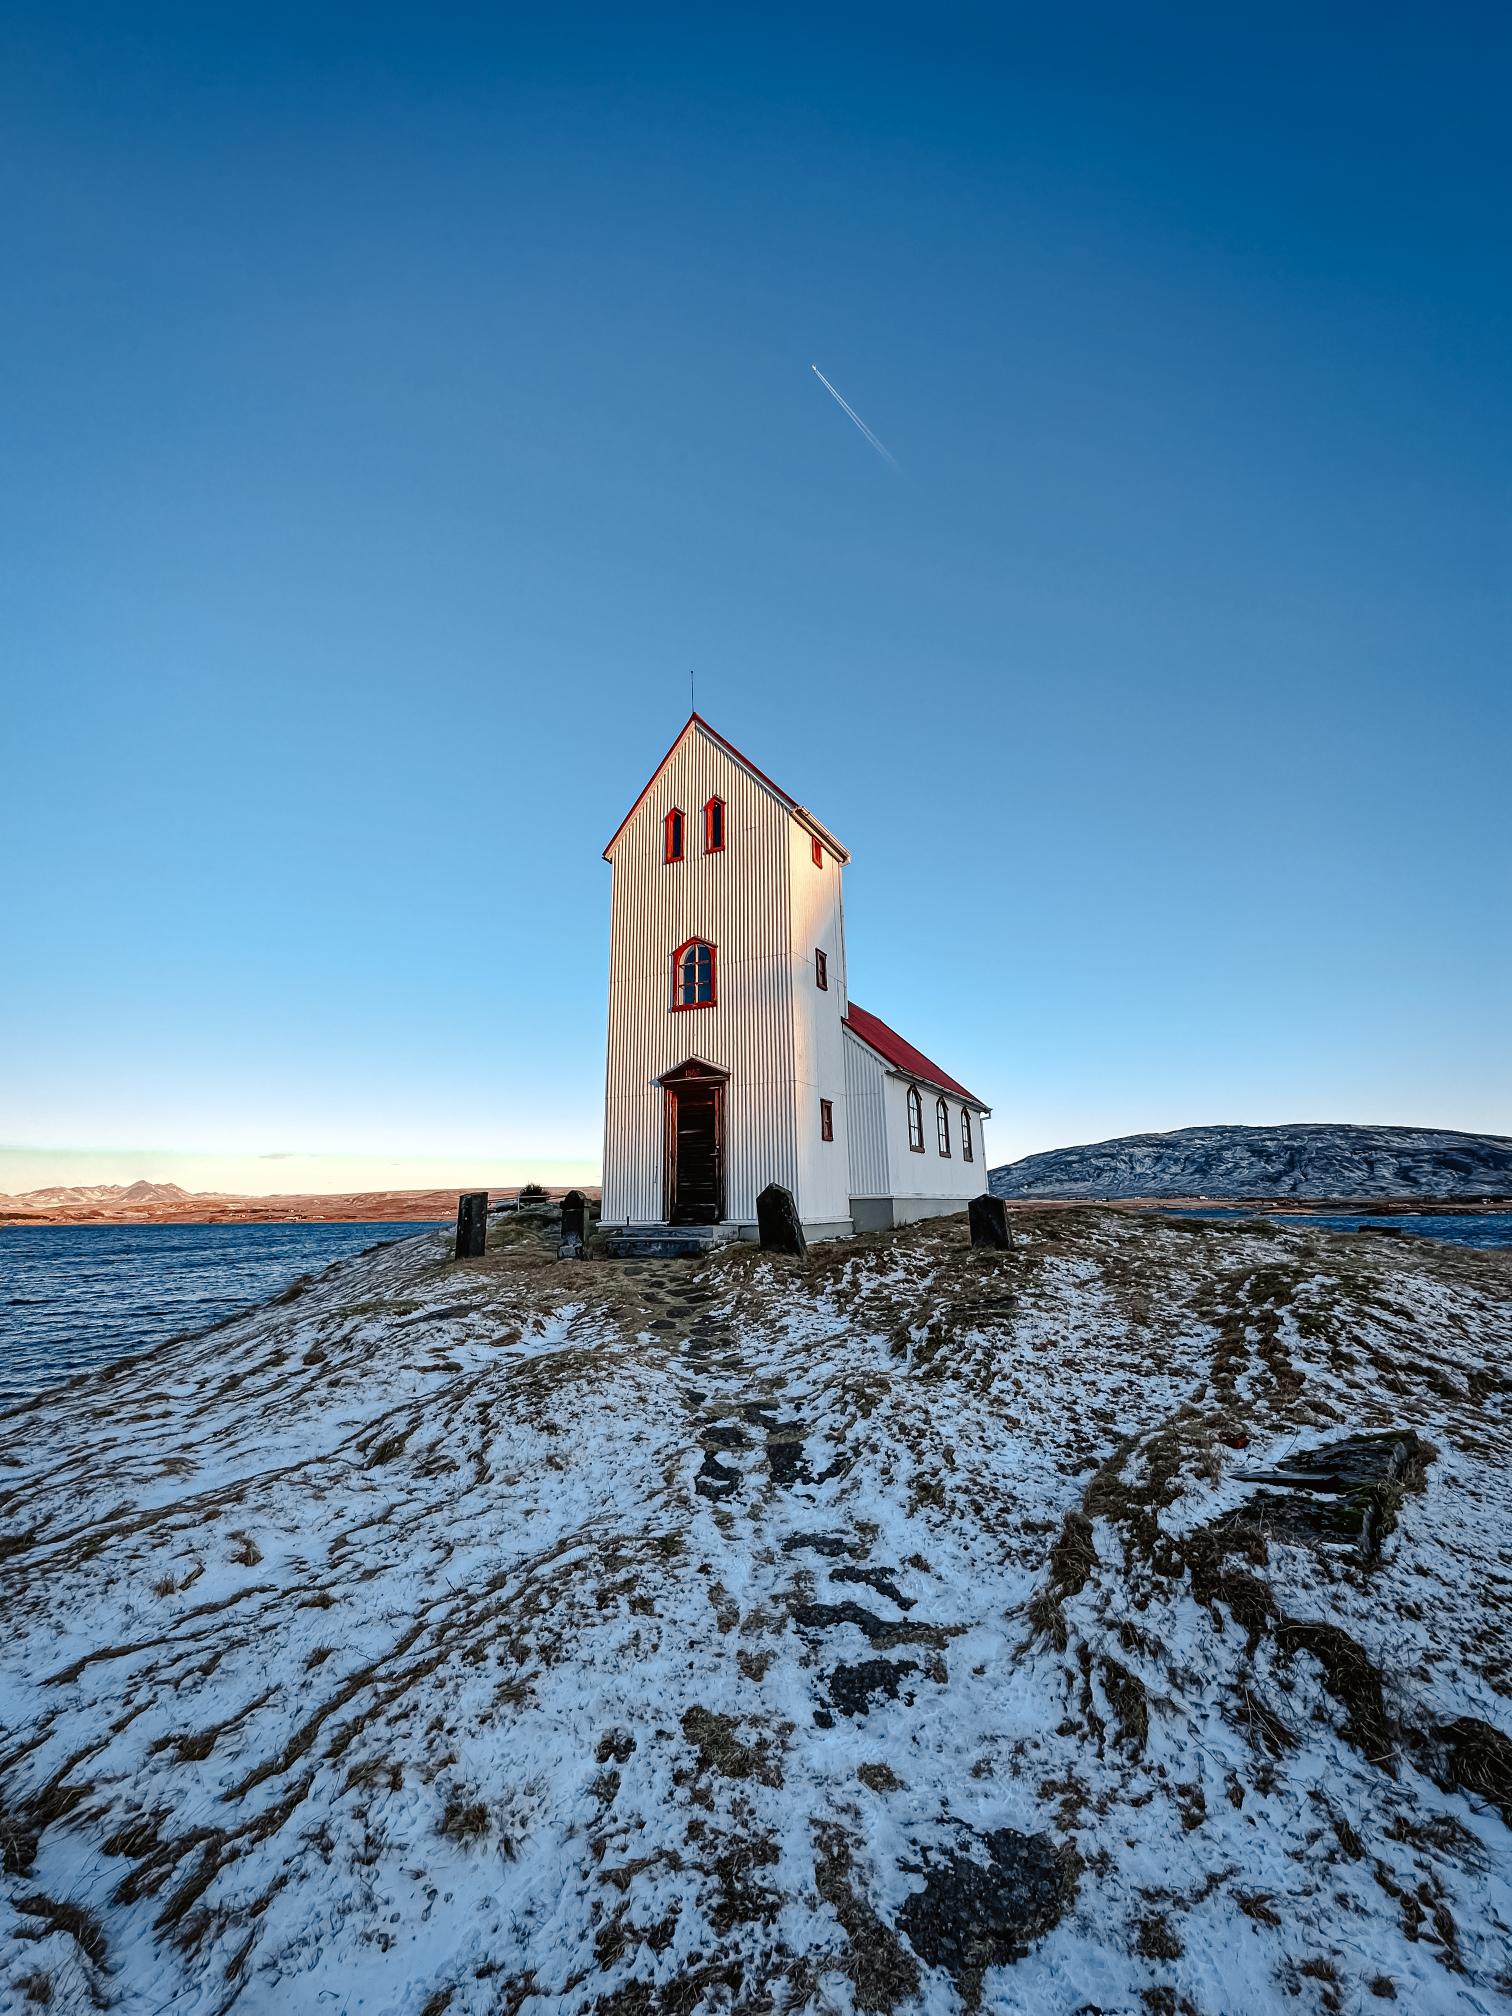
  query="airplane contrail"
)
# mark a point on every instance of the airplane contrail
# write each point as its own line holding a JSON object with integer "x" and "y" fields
{"x": 851, "y": 414}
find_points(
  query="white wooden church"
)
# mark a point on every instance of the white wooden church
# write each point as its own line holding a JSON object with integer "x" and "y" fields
{"x": 736, "y": 1055}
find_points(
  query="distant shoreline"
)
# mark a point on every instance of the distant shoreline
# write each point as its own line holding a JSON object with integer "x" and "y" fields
{"x": 440, "y": 1206}
{"x": 369, "y": 1208}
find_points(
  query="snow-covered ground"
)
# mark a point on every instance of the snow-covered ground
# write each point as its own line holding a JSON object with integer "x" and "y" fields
{"x": 882, "y": 1633}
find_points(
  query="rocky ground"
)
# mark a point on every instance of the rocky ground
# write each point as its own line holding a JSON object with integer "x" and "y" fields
{"x": 908, "y": 1629}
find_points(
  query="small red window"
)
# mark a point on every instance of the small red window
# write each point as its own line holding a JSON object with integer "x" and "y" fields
{"x": 915, "y": 1121}
{"x": 966, "y": 1152}
{"x": 942, "y": 1125}
{"x": 826, "y": 1119}
{"x": 672, "y": 828}
{"x": 714, "y": 822}
{"x": 818, "y": 853}
{"x": 821, "y": 971}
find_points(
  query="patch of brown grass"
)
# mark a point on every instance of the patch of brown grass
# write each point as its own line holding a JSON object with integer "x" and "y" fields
{"x": 1478, "y": 1759}
{"x": 719, "y": 1749}
{"x": 75, "y": 1920}
{"x": 879, "y": 1777}
{"x": 1350, "y": 1678}
{"x": 1073, "y": 1557}
{"x": 464, "y": 1819}
{"x": 1126, "y": 1697}
{"x": 1156, "y": 1941}
{"x": 881, "y": 1969}
{"x": 1257, "y": 1904}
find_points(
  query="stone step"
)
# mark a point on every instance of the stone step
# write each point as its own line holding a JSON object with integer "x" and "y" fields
{"x": 662, "y": 1242}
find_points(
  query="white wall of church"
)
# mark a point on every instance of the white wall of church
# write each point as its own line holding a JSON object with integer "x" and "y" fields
{"x": 738, "y": 900}
{"x": 816, "y": 911}
{"x": 932, "y": 1174}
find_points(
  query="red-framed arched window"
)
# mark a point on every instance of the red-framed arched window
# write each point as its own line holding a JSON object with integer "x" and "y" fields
{"x": 942, "y": 1126}
{"x": 967, "y": 1153}
{"x": 714, "y": 826}
{"x": 695, "y": 974}
{"x": 915, "y": 1120}
{"x": 672, "y": 835}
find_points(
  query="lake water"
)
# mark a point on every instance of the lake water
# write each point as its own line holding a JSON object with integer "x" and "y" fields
{"x": 72, "y": 1296}
{"x": 1467, "y": 1228}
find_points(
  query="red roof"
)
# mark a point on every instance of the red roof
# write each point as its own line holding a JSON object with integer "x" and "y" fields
{"x": 798, "y": 811}
{"x": 890, "y": 1045}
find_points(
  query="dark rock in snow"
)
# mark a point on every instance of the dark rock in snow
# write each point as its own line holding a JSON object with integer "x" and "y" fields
{"x": 831, "y": 1544}
{"x": 973, "y": 1915}
{"x": 853, "y": 1688}
{"x": 778, "y": 1222}
{"x": 723, "y": 1435}
{"x": 1342, "y": 1494}
{"x": 1353, "y": 1463}
{"x": 880, "y": 1579}
{"x": 785, "y": 1462}
{"x": 881, "y": 1633}
{"x": 715, "y": 1479}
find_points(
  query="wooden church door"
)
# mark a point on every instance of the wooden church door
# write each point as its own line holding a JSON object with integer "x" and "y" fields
{"x": 694, "y": 1145}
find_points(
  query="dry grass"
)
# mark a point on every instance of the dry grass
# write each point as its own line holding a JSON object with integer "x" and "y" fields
{"x": 464, "y": 1819}
{"x": 62, "y": 1915}
{"x": 719, "y": 1749}
{"x": 880, "y": 1968}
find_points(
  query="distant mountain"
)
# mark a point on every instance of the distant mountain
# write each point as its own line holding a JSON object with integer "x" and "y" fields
{"x": 63, "y": 1195}
{"x": 1296, "y": 1161}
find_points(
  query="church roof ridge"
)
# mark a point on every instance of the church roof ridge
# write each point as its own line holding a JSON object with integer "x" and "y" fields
{"x": 900, "y": 1053}
{"x": 799, "y": 812}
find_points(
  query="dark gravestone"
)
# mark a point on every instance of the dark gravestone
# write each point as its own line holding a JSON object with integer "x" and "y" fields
{"x": 989, "y": 1222}
{"x": 778, "y": 1222}
{"x": 574, "y": 1232}
{"x": 472, "y": 1223}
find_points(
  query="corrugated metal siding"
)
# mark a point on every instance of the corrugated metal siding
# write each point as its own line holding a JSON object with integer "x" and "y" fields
{"x": 738, "y": 900}
{"x": 865, "y": 1082}
{"x": 819, "y": 1034}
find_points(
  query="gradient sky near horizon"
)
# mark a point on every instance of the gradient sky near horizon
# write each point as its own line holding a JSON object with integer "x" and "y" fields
{"x": 398, "y": 401}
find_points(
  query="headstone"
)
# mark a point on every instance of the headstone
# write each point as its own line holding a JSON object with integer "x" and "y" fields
{"x": 472, "y": 1224}
{"x": 778, "y": 1222}
{"x": 989, "y": 1221}
{"x": 574, "y": 1231}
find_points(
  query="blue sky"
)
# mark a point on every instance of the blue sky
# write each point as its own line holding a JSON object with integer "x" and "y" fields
{"x": 397, "y": 402}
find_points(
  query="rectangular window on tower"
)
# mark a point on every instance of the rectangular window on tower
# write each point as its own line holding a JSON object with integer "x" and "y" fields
{"x": 816, "y": 853}
{"x": 821, "y": 971}
{"x": 826, "y": 1120}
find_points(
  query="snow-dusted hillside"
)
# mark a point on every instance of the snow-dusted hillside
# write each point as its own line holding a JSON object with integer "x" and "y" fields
{"x": 899, "y": 1632}
{"x": 1300, "y": 1161}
